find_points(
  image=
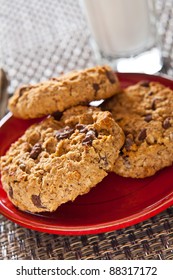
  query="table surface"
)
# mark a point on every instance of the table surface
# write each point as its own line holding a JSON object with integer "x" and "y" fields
{"x": 40, "y": 39}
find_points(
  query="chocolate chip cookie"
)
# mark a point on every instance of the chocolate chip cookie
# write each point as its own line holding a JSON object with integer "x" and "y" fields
{"x": 58, "y": 94}
{"x": 145, "y": 113}
{"x": 60, "y": 158}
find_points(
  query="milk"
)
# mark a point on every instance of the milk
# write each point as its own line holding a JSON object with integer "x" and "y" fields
{"x": 124, "y": 34}
{"x": 120, "y": 27}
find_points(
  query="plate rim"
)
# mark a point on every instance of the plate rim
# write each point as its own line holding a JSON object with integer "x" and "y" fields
{"x": 102, "y": 228}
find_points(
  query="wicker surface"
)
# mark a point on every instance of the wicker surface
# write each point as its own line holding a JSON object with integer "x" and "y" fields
{"x": 39, "y": 39}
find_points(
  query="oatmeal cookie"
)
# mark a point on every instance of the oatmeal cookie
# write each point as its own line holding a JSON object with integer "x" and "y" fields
{"x": 60, "y": 158}
{"x": 57, "y": 94}
{"x": 145, "y": 113}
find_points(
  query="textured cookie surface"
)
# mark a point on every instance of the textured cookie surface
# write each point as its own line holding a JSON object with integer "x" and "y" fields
{"x": 58, "y": 94}
{"x": 145, "y": 113}
{"x": 57, "y": 160}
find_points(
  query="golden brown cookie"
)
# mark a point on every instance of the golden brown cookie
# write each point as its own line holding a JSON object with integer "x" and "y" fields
{"x": 57, "y": 160}
{"x": 145, "y": 113}
{"x": 58, "y": 94}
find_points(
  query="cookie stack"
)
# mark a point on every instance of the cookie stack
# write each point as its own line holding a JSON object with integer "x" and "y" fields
{"x": 76, "y": 145}
{"x": 68, "y": 152}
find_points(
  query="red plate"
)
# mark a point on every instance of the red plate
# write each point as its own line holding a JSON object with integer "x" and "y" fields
{"x": 115, "y": 203}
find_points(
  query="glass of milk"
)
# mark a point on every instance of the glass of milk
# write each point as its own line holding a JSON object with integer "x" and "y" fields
{"x": 124, "y": 34}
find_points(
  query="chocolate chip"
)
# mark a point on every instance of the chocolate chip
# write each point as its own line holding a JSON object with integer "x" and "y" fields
{"x": 142, "y": 134}
{"x": 10, "y": 192}
{"x": 95, "y": 131}
{"x": 36, "y": 201}
{"x": 128, "y": 143}
{"x": 82, "y": 128}
{"x": 153, "y": 104}
{"x": 148, "y": 118}
{"x": 111, "y": 77}
{"x": 126, "y": 132}
{"x": 145, "y": 83}
{"x": 57, "y": 115}
{"x": 90, "y": 136}
{"x": 96, "y": 87}
{"x": 64, "y": 133}
{"x": 166, "y": 123}
{"x": 36, "y": 150}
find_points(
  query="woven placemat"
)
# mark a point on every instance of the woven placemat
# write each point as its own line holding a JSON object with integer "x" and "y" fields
{"x": 152, "y": 239}
{"x": 40, "y": 39}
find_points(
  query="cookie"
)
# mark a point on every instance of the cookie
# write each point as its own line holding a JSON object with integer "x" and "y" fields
{"x": 145, "y": 113}
{"x": 58, "y": 94}
{"x": 58, "y": 159}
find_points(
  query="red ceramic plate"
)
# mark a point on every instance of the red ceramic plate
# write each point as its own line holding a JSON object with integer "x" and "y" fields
{"x": 115, "y": 203}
